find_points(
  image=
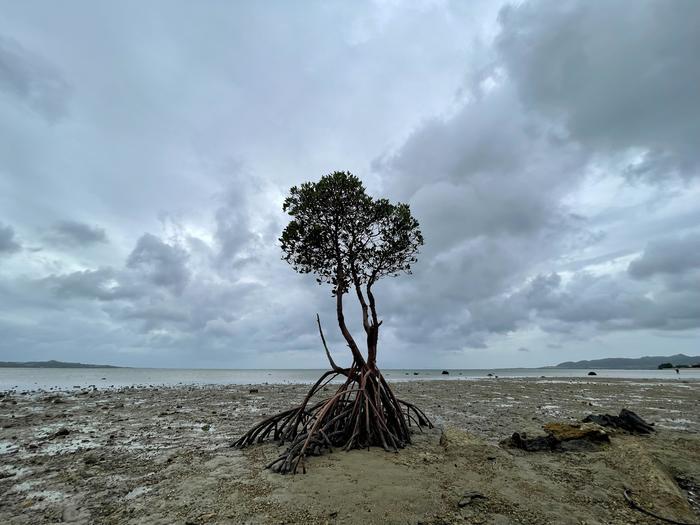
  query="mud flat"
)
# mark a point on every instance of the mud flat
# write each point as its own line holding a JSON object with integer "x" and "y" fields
{"x": 162, "y": 456}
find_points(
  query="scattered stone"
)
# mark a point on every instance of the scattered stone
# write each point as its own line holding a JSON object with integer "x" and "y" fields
{"x": 469, "y": 497}
{"x": 536, "y": 444}
{"x": 61, "y": 432}
{"x": 627, "y": 420}
{"x": 206, "y": 428}
{"x": 691, "y": 489}
{"x": 561, "y": 437}
{"x": 567, "y": 431}
{"x": 253, "y": 391}
{"x": 445, "y": 373}
{"x": 591, "y": 373}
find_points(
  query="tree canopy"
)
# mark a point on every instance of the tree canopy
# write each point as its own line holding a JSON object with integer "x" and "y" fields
{"x": 344, "y": 236}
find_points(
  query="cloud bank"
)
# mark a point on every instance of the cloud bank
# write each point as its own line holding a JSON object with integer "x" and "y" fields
{"x": 548, "y": 149}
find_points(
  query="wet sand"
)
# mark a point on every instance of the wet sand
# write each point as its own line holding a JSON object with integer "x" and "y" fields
{"x": 162, "y": 456}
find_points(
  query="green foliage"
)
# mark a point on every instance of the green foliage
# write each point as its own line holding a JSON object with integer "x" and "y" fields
{"x": 344, "y": 236}
{"x": 665, "y": 365}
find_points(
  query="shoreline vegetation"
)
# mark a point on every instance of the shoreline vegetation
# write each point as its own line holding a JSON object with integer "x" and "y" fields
{"x": 163, "y": 455}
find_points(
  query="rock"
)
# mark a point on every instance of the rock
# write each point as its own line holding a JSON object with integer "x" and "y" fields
{"x": 91, "y": 459}
{"x": 206, "y": 428}
{"x": 469, "y": 497}
{"x": 253, "y": 391}
{"x": 61, "y": 432}
{"x": 566, "y": 432}
{"x": 592, "y": 373}
{"x": 536, "y": 444}
{"x": 561, "y": 437}
{"x": 627, "y": 420}
{"x": 489, "y": 375}
{"x": 415, "y": 373}
{"x": 445, "y": 373}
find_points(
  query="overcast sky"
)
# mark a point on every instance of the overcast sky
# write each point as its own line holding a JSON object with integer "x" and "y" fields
{"x": 550, "y": 151}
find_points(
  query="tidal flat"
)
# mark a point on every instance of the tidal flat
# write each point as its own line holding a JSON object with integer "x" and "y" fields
{"x": 162, "y": 455}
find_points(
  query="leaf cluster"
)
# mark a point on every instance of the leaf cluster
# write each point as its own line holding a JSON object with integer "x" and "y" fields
{"x": 345, "y": 236}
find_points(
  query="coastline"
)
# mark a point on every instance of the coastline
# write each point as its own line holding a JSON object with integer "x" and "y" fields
{"x": 162, "y": 455}
{"x": 36, "y": 379}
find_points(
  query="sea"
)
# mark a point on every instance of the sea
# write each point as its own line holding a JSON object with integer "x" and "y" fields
{"x": 28, "y": 379}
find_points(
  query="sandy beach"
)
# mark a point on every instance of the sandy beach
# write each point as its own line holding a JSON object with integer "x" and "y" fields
{"x": 163, "y": 456}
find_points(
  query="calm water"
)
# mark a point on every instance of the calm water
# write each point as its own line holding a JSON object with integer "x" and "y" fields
{"x": 68, "y": 378}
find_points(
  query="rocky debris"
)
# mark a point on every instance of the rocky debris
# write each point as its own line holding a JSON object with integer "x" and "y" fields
{"x": 567, "y": 431}
{"x": 445, "y": 373}
{"x": 561, "y": 437}
{"x": 469, "y": 497}
{"x": 253, "y": 391}
{"x": 692, "y": 490}
{"x": 627, "y": 421}
{"x": 61, "y": 432}
{"x": 591, "y": 373}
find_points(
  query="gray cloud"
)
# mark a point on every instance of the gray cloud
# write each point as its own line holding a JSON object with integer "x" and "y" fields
{"x": 620, "y": 77}
{"x": 73, "y": 233}
{"x": 675, "y": 255}
{"x": 8, "y": 244}
{"x": 609, "y": 303}
{"x": 164, "y": 264}
{"x": 102, "y": 284}
{"x": 32, "y": 80}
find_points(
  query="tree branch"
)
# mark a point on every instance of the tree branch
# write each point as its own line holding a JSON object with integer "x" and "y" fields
{"x": 335, "y": 367}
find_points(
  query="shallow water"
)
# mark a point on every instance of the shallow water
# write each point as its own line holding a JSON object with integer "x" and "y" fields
{"x": 68, "y": 378}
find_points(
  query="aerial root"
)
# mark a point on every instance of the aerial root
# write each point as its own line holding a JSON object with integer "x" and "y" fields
{"x": 363, "y": 412}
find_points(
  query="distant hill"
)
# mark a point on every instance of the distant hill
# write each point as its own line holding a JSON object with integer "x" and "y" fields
{"x": 624, "y": 363}
{"x": 50, "y": 364}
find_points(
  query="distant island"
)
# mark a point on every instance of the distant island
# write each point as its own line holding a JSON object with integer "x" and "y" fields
{"x": 639, "y": 363}
{"x": 50, "y": 364}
